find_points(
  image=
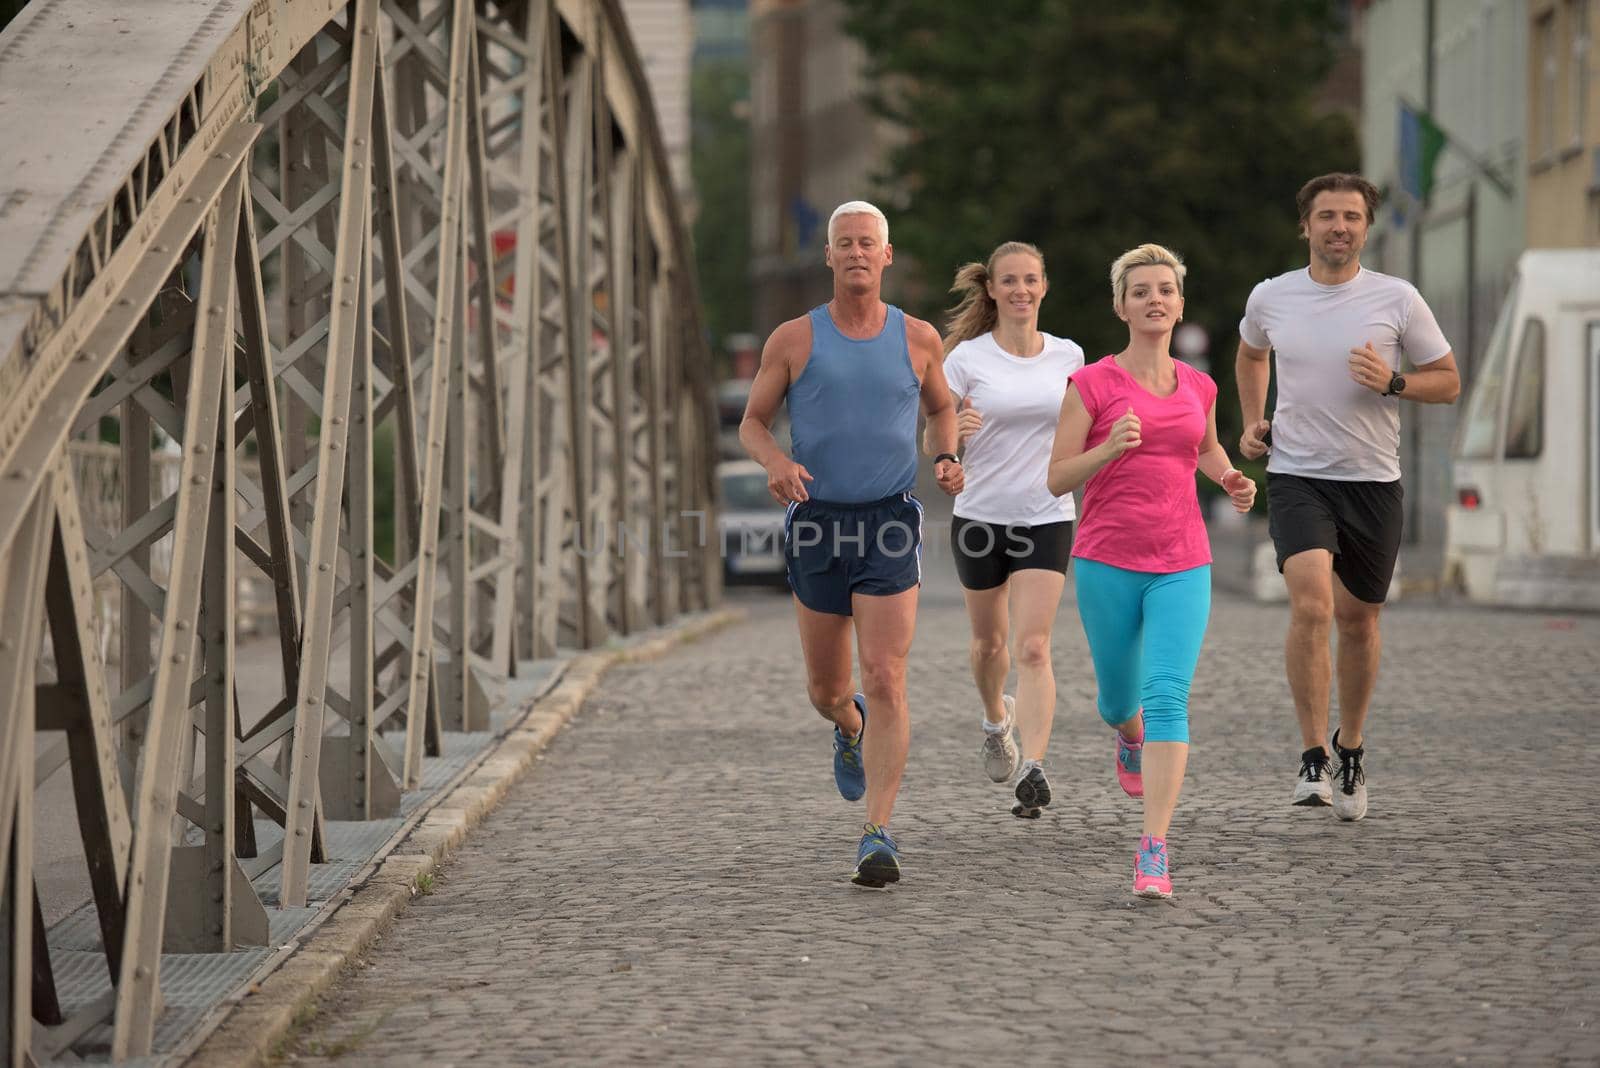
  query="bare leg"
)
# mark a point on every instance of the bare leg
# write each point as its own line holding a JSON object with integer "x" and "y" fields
{"x": 884, "y": 626}
{"x": 1037, "y": 594}
{"x": 1360, "y": 649}
{"x": 825, "y": 642}
{"x": 1309, "y": 576}
{"x": 987, "y": 612}
{"x": 1164, "y": 764}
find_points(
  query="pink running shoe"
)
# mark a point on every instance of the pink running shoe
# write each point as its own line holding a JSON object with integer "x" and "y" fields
{"x": 1150, "y": 877}
{"x": 1130, "y": 762}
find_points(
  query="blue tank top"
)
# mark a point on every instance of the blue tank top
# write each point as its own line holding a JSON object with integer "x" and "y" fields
{"x": 853, "y": 412}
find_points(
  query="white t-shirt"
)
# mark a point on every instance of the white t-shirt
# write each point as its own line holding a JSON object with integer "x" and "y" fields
{"x": 1326, "y": 424}
{"x": 1019, "y": 398}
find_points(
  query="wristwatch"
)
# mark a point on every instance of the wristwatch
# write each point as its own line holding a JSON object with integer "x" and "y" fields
{"x": 952, "y": 457}
{"x": 1397, "y": 384}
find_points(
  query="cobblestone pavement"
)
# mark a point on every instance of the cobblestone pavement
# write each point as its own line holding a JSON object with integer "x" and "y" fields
{"x": 670, "y": 885}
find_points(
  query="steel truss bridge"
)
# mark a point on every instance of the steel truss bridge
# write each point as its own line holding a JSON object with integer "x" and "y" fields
{"x": 382, "y": 309}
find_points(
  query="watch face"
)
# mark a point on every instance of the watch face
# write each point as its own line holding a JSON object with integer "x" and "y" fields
{"x": 1397, "y": 383}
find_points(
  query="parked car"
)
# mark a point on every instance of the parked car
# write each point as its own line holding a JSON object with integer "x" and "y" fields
{"x": 750, "y": 525}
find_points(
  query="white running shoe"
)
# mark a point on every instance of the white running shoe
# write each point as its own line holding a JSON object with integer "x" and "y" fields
{"x": 1349, "y": 783}
{"x": 1312, "y": 785}
{"x": 999, "y": 752}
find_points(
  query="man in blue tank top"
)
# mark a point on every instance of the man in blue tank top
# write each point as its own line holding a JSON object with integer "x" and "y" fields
{"x": 854, "y": 371}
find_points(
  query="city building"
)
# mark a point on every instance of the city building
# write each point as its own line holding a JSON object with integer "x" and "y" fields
{"x": 663, "y": 34}
{"x": 1563, "y": 122}
{"x": 1455, "y": 213}
{"x": 815, "y": 145}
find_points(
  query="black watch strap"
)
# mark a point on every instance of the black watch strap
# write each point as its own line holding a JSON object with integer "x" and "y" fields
{"x": 947, "y": 456}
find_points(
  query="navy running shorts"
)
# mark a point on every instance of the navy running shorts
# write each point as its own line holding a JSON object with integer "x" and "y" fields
{"x": 834, "y": 551}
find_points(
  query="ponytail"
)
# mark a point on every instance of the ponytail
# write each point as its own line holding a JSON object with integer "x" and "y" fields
{"x": 976, "y": 313}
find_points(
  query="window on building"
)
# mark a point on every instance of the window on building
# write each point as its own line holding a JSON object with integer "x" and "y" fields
{"x": 1577, "y": 107}
{"x": 1525, "y": 413}
{"x": 1594, "y": 197}
{"x": 1544, "y": 105}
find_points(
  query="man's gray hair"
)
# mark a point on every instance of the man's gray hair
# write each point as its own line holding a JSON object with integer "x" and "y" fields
{"x": 858, "y": 207}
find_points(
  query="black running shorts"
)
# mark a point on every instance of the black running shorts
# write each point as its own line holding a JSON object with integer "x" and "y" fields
{"x": 1360, "y": 523}
{"x": 987, "y": 553}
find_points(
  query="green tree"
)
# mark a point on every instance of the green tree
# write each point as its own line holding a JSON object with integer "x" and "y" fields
{"x": 1089, "y": 129}
{"x": 720, "y": 162}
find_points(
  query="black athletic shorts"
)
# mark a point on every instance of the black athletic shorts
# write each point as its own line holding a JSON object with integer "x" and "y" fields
{"x": 836, "y": 550}
{"x": 987, "y": 553}
{"x": 1358, "y": 522}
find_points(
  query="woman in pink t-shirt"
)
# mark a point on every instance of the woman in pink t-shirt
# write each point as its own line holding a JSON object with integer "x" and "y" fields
{"x": 1133, "y": 429}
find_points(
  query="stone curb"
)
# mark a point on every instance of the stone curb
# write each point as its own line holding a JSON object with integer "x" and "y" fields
{"x": 257, "y": 1025}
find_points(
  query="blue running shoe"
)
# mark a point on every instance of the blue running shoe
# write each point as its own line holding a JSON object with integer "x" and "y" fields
{"x": 877, "y": 861}
{"x": 848, "y": 772}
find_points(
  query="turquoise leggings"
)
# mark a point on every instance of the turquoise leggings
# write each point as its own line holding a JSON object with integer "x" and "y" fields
{"x": 1144, "y": 632}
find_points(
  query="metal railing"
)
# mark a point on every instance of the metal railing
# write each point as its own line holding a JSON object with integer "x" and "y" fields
{"x": 405, "y": 284}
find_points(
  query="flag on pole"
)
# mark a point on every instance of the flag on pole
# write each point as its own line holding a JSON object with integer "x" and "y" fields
{"x": 806, "y": 221}
{"x": 1421, "y": 141}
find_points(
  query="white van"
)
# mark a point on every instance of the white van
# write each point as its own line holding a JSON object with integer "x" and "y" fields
{"x": 1524, "y": 527}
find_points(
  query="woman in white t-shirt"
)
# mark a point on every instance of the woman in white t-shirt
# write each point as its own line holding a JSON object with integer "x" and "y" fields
{"x": 1011, "y": 537}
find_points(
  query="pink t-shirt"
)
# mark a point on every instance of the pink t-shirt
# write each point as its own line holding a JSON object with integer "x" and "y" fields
{"x": 1140, "y": 511}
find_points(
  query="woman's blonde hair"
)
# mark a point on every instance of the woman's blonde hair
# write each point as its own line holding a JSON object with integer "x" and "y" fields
{"x": 976, "y": 313}
{"x": 1147, "y": 255}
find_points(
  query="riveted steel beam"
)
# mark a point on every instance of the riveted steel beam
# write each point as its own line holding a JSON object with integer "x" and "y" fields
{"x": 455, "y": 247}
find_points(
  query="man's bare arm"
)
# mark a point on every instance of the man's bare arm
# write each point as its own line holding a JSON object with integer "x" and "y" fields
{"x": 1252, "y": 373}
{"x": 1435, "y": 382}
{"x": 786, "y": 479}
{"x": 767, "y": 392}
{"x": 937, "y": 402}
{"x": 940, "y": 435}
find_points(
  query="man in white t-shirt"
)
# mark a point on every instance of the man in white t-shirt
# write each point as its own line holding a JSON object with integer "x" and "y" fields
{"x": 1333, "y": 478}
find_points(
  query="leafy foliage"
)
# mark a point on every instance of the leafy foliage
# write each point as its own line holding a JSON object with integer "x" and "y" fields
{"x": 1088, "y": 128}
{"x": 720, "y": 162}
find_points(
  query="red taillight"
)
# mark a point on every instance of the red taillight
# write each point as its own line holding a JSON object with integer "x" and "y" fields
{"x": 1468, "y": 498}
